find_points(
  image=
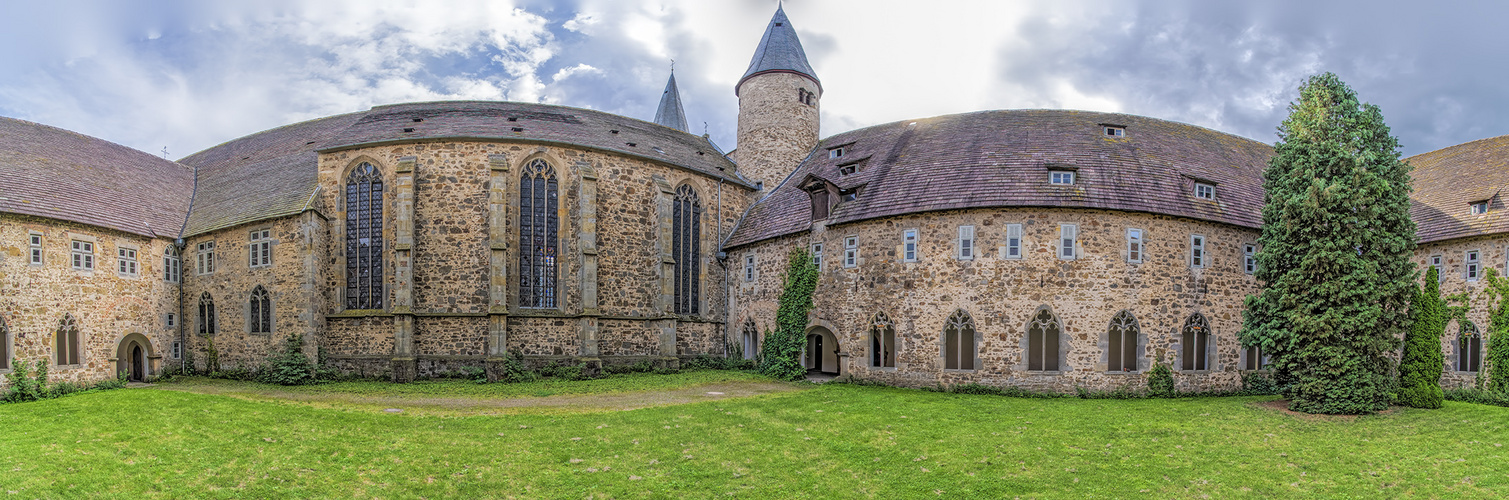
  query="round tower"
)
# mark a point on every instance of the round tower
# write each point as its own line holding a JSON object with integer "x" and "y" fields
{"x": 778, "y": 107}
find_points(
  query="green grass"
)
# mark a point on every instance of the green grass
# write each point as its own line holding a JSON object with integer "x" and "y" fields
{"x": 454, "y": 388}
{"x": 833, "y": 441}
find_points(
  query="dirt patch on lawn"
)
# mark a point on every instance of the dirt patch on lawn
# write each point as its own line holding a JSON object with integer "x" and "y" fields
{"x": 1282, "y": 406}
{"x": 478, "y": 405}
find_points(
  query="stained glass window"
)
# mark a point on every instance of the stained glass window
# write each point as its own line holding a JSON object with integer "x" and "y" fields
{"x": 538, "y": 244}
{"x": 686, "y": 241}
{"x": 364, "y": 242}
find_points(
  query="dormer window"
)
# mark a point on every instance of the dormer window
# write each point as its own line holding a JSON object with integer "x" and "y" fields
{"x": 836, "y": 152}
{"x": 847, "y": 195}
{"x": 1479, "y": 207}
{"x": 1205, "y": 191}
{"x": 1061, "y": 177}
{"x": 1114, "y": 130}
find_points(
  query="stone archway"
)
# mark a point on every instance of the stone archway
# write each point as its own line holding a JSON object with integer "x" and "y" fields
{"x": 821, "y": 353}
{"x": 133, "y": 358}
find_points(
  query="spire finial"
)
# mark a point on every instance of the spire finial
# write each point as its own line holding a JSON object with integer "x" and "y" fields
{"x": 673, "y": 66}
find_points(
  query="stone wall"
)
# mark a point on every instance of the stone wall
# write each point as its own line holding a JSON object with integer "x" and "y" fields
{"x": 1454, "y": 281}
{"x": 106, "y": 305}
{"x": 1002, "y": 295}
{"x": 776, "y": 130}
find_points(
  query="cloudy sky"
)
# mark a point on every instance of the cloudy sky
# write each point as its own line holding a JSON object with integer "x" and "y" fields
{"x": 188, "y": 75}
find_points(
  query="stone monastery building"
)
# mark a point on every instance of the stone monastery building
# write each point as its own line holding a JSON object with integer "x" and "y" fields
{"x": 1045, "y": 249}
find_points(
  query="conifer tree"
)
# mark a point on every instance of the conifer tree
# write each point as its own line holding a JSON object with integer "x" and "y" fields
{"x": 1420, "y": 369}
{"x": 1334, "y": 262}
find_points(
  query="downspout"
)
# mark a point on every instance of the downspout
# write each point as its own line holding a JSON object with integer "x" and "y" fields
{"x": 722, "y": 262}
{"x": 179, "y": 243}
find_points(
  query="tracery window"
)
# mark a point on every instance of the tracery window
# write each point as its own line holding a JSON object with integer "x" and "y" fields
{"x": 172, "y": 265}
{"x": 1123, "y": 343}
{"x": 959, "y": 342}
{"x": 751, "y": 339}
{"x": 260, "y": 319}
{"x": 1469, "y": 348}
{"x": 364, "y": 242}
{"x": 66, "y": 341}
{"x": 538, "y": 244}
{"x": 686, "y": 241}
{"x": 206, "y": 314}
{"x": 1042, "y": 341}
{"x": 883, "y": 342}
{"x": 1195, "y": 343}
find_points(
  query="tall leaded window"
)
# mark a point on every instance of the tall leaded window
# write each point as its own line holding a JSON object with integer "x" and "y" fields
{"x": 686, "y": 241}
{"x": 538, "y": 244}
{"x": 1254, "y": 361}
{"x": 66, "y": 342}
{"x": 364, "y": 245}
{"x": 1123, "y": 343}
{"x": 1195, "y": 343}
{"x": 959, "y": 342}
{"x": 206, "y": 314}
{"x": 1042, "y": 341}
{"x": 751, "y": 339}
{"x": 882, "y": 342}
{"x": 260, "y": 319}
{"x": 1469, "y": 348}
{"x": 172, "y": 265}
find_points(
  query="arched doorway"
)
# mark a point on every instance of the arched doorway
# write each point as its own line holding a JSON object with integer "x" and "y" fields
{"x": 821, "y": 354}
{"x": 133, "y": 359}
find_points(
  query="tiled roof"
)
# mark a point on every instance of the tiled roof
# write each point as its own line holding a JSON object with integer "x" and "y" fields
{"x": 1447, "y": 180}
{"x": 670, "y": 113}
{"x": 51, "y": 172}
{"x": 1002, "y": 159}
{"x": 779, "y": 52}
{"x": 261, "y": 176}
{"x": 516, "y": 121}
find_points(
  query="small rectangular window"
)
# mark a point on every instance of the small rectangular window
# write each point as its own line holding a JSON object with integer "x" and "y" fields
{"x": 749, "y": 267}
{"x": 36, "y": 249}
{"x": 1474, "y": 267}
{"x": 172, "y": 320}
{"x": 836, "y": 153}
{"x": 851, "y": 251}
{"x": 1205, "y": 191}
{"x": 1435, "y": 261}
{"x": 205, "y": 258}
{"x": 83, "y": 255}
{"x": 1068, "y": 237}
{"x": 1249, "y": 258}
{"x": 177, "y": 350}
{"x": 126, "y": 261}
{"x": 1112, "y": 131}
{"x": 1061, "y": 177}
{"x": 1479, "y": 208}
{"x": 260, "y": 249}
{"x": 172, "y": 265}
{"x": 909, "y": 245}
{"x": 1013, "y": 241}
{"x": 1196, "y": 250}
{"x": 1134, "y": 245}
{"x": 817, "y": 256}
{"x": 966, "y": 242}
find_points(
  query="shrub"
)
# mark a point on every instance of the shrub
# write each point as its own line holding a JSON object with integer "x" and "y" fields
{"x": 514, "y": 369}
{"x": 1258, "y": 384}
{"x": 238, "y": 373}
{"x": 61, "y": 389}
{"x": 1420, "y": 367}
{"x": 565, "y": 372}
{"x": 1160, "y": 381}
{"x": 289, "y": 365}
{"x": 474, "y": 374}
{"x": 1117, "y": 393}
{"x": 23, "y": 385}
{"x": 1476, "y": 395}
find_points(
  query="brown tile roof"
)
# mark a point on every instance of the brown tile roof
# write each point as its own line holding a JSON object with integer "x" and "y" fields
{"x": 51, "y": 172}
{"x": 1002, "y": 159}
{"x": 1447, "y": 180}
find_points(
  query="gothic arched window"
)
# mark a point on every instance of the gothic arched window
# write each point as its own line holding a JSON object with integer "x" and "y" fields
{"x": 1042, "y": 341}
{"x": 364, "y": 271}
{"x": 1196, "y": 343}
{"x": 206, "y": 314}
{"x": 883, "y": 342}
{"x": 959, "y": 342}
{"x": 750, "y": 341}
{"x": 260, "y": 319}
{"x": 1470, "y": 348}
{"x": 1122, "y": 355}
{"x": 538, "y": 224}
{"x": 686, "y": 243}
{"x": 67, "y": 341}
{"x": 172, "y": 265}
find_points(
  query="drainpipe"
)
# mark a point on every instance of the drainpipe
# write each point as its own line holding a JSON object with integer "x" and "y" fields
{"x": 182, "y": 346}
{"x": 722, "y": 260}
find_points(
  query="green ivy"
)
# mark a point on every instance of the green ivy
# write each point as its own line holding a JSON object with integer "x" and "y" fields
{"x": 1496, "y": 360}
{"x": 782, "y": 351}
{"x": 1420, "y": 367}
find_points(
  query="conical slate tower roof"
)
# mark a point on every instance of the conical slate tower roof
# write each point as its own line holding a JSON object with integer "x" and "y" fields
{"x": 779, "y": 52}
{"x": 670, "y": 112}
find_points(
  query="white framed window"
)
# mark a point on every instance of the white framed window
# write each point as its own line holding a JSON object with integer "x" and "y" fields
{"x": 1134, "y": 245}
{"x": 1249, "y": 258}
{"x": 817, "y": 256}
{"x": 1196, "y": 250}
{"x": 1474, "y": 265}
{"x": 1478, "y": 208}
{"x": 1435, "y": 261}
{"x": 83, "y": 255}
{"x": 1068, "y": 240}
{"x": 1114, "y": 131}
{"x": 125, "y": 259}
{"x": 259, "y": 250}
{"x": 851, "y": 251}
{"x": 1013, "y": 241}
{"x": 749, "y": 267}
{"x": 35, "y": 241}
{"x": 909, "y": 245}
{"x": 966, "y": 242}
{"x": 1061, "y": 177}
{"x": 177, "y": 351}
{"x": 172, "y": 320}
{"x": 172, "y": 265}
{"x": 1205, "y": 191}
{"x": 836, "y": 152}
{"x": 205, "y": 258}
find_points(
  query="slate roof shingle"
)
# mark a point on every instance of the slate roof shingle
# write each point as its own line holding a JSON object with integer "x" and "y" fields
{"x": 780, "y": 51}
{"x": 1002, "y": 159}
{"x": 1447, "y": 180}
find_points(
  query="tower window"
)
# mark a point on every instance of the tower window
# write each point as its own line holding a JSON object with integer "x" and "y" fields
{"x": 805, "y": 97}
{"x": 1061, "y": 177}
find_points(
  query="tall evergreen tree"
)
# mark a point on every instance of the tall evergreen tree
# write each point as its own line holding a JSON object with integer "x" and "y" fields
{"x": 1422, "y": 363}
{"x": 1335, "y": 264}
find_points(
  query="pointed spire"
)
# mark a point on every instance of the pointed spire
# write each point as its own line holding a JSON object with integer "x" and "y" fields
{"x": 779, "y": 52}
{"x": 670, "y": 112}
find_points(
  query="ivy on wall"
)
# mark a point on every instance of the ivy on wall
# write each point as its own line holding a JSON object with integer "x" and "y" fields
{"x": 782, "y": 350}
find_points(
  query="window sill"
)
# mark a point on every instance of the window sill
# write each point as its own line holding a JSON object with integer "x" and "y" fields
{"x": 1196, "y": 372}
{"x": 886, "y": 369}
{"x": 957, "y": 370}
{"x": 1108, "y": 372}
{"x": 359, "y": 313}
{"x": 260, "y": 334}
{"x": 1044, "y": 372}
{"x": 68, "y": 367}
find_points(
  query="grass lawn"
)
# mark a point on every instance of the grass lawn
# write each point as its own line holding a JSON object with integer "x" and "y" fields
{"x": 832, "y": 441}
